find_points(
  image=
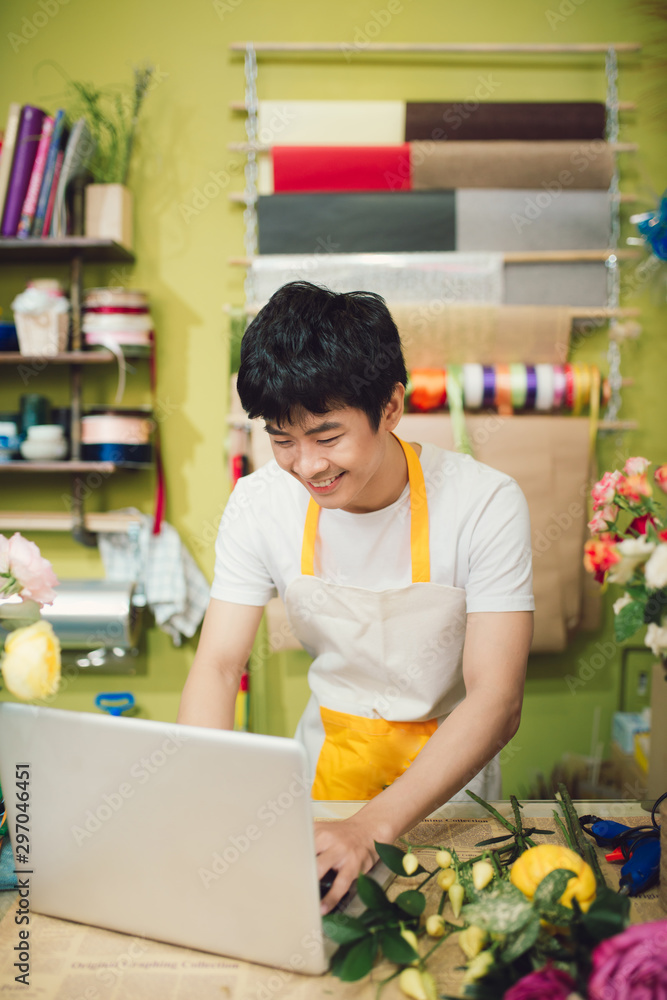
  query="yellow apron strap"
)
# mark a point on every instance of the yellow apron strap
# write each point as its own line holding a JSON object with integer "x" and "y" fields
{"x": 419, "y": 527}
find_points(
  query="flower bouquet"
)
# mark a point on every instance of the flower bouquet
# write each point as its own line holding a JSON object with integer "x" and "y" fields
{"x": 531, "y": 922}
{"x": 629, "y": 548}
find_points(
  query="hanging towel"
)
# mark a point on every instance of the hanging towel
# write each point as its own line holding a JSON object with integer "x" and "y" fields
{"x": 176, "y": 590}
{"x": 534, "y": 120}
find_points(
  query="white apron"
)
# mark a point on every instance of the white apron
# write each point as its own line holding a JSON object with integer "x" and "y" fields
{"x": 387, "y": 667}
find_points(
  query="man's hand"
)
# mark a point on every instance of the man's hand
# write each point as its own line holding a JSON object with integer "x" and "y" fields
{"x": 348, "y": 846}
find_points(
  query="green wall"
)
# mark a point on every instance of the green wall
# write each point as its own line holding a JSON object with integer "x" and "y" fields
{"x": 182, "y": 262}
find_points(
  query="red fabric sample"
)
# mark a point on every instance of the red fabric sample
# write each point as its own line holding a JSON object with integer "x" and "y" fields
{"x": 341, "y": 168}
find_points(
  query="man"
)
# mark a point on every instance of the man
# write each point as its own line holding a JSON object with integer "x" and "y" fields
{"x": 405, "y": 571}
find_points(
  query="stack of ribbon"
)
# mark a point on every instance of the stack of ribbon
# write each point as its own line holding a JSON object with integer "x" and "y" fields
{"x": 115, "y": 435}
{"x": 508, "y": 388}
{"x": 118, "y": 318}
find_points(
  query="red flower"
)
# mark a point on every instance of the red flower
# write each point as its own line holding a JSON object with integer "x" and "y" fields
{"x": 638, "y": 526}
{"x": 660, "y": 476}
{"x": 600, "y": 554}
{"x": 545, "y": 984}
{"x": 631, "y": 965}
{"x": 604, "y": 491}
{"x": 634, "y": 487}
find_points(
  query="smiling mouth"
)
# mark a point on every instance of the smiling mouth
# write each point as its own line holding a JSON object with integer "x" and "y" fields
{"x": 322, "y": 485}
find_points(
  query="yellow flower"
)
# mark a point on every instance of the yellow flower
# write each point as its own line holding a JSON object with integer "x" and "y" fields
{"x": 445, "y": 878}
{"x": 535, "y": 864}
{"x": 482, "y": 873}
{"x": 410, "y": 863}
{"x": 479, "y": 967}
{"x": 472, "y": 940}
{"x": 456, "y": 896}
{"x": 435, "y": 925}
{"x": 411, "y": 938}
{"x": 418, "y": 985}
{"x": 443, "y": 859}
{"x": 31, "y": 664}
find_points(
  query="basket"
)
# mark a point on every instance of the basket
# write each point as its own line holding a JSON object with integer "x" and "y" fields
{"x": 42, "y": 334}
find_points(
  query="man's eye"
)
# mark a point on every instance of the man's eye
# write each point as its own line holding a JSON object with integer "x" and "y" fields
{"x": 329, "y": 440}
{"x": 281, "y": 442}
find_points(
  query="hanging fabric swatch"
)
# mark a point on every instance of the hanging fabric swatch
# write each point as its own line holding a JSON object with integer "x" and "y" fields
{"x": 375, "y": 222}
{"x": 556, "y": 166}
{"x": 341, "y": 168}
{"x": 435, "y": 335}
{"x": 439, "y": 121}
{"x": 532, "y": 220}
{"x": 576, "y": 283}
{"x": 404, "y": 277}
{"x": 331, "y": 123}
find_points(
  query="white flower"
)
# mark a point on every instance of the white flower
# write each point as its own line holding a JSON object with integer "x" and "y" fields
{"x": 656, "y": 569}
{"x": 656, "y": 639}
{"x": 634, "y": 551}
{"x": 622, "y": 602}
{"x": 636, "y": 466}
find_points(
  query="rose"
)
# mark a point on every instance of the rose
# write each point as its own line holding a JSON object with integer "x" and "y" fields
{"x": 660, "y": 477}
{"x": 31, "y": 664}
{"x": 636, "y": 466}
{"x": 599, "y": 521}
{"x": 633, "y": 552}
{"x": 639, "y": 524}
{"x": 655, "y": 570}
{"x": 631, "y": 965}
{"x": 604, "y": 491}
{"x": 634, "y": 487}
{"x": 26, "y": 571}
{"x": 656, "y": 639}
{"x": 544, "y": 984}
{"x": 600, "y": 554}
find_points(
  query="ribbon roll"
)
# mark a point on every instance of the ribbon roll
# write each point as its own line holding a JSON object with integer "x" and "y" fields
{"x": 531, "y": 387}
{"x": 489, "y": 387}
{"x": 518, "y": 386}
{"x": 544, "y": 397}
{"x": 559, "y": 387}
{"x": 473, "y": 386}
{"x": 429, "y": 390}
{"x": 503, "y": 398}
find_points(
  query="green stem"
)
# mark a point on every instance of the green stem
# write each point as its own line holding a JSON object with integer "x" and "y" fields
{"x": 521, "y": 839}
{"x": 494, "y": 812}
{"x": 564, "y": 831}
{"x": 584, "y": 848}
{"x": 428, "y": 878}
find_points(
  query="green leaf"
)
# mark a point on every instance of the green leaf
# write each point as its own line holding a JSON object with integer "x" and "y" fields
{"x": 655, "y": 606}
{"x": 412, "y": 902}
{"x": 552, "y": 887}
{"x": 393, "y": 858}
{"x": 358, "y": 960}
{"x": 503, "y": 910}
{"x": 522, "y": 941}
{"x": 371, "y": 894}
{"x": 396, "y": 948}
{"x": 342, "y": 928}
{"x": 628, "y": 620}
{"x": 607, "y": 915}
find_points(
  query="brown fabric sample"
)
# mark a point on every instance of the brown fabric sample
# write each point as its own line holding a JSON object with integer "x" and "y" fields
{"x": 533, "y": 120}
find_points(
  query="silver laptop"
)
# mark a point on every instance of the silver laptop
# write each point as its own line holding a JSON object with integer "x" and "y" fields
{"x": 177, "y": 833}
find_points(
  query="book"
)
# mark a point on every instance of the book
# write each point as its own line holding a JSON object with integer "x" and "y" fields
{"x": 30, "y": 201}
{"x": 54, "y": 188}
{"x": 58, "y": 140}
{"x": 27, "y": 141}
{"x": 78, "y": 152}
{"x": 8, "y": 146}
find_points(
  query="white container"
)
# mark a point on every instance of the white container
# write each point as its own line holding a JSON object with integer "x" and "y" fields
{"x": 109, "y": 213}
{"x": 42, "y": 334}
{"x": 44, "y": 451}
{"x": 46, "y": 432}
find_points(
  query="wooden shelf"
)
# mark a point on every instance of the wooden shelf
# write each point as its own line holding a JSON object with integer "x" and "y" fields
{"x": 66, "y": 358}
{"x": 443, "y": 48}
{"x": 38, "y": 520}
{"x": 73, "y": 467}
{"x": 48, "y": 248}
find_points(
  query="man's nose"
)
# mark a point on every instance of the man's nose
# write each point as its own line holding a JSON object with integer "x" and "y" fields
{"x": 309, "y": 463}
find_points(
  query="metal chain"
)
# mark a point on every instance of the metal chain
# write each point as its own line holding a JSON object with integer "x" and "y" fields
{"x": 612, "y": 263}
{"x": 251, "y": 171}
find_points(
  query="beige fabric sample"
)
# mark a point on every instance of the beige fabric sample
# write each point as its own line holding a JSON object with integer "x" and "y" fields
{"x": 331, "y": 123}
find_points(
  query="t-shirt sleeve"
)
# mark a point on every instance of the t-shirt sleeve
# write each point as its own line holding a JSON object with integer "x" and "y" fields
{"x": 241, "y": 575}
{"x": 500, "y": 569}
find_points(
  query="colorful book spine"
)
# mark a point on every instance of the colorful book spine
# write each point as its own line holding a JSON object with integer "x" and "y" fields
{"x": 32, "y": 194}
{"x": 27, "y": 141}
{"x": 8, "y": 147}
{"x": 52, "y": 194}
{"x": 55, "y": 146}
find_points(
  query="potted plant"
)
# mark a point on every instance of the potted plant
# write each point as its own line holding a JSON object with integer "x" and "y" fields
{"x": 111, "y": 116}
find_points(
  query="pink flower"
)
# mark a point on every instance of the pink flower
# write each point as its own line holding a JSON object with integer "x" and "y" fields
{"x": 603, "y": 492}
{"x": 598, "y": 522}
{"x": 634, "y": 487}
{"x": 631, "y": 965}
{"x": 636, "y": 466}
{"x": 30, "y": 575}
{"x": 660, "y": 476}
{"x": 600, "y": 554}
{"x": 545, "y": 984}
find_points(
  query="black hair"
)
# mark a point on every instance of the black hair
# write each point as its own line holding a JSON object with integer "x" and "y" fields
{"x": 313, "y": 349}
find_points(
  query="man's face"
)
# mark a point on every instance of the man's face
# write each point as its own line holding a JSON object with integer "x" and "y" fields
{"x": 339, "y": 459}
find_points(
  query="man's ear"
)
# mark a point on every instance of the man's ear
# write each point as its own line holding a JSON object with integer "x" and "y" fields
{"x": 393, "y": 411}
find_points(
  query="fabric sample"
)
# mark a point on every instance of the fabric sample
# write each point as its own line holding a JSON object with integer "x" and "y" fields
{"x": 400, "y": 221}
{"x": 436, "y": 335}
{"x": 576, "y": 283}
{"x": 532, "y": 220}
{"x": 554, "y": 166}
{"x": 408, "y": 277}
{"x": 472, "y": 121}
{"x": 331, "y": 123}
{"x": 341, "y": 168}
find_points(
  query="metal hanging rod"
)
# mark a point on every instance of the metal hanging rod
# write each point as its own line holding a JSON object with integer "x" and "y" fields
{"x": 575, "y": 312}
{"x": 500, "y": 48}
{"x": 256, "y": 147}
{"x": 521, "y": 256}
{"x": 242, "y": 106}
{"x": 242, "y": 198}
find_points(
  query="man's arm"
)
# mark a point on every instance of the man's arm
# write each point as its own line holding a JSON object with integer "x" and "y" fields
{"x": 227, "y": 635}
{"x": 494, "y": 668}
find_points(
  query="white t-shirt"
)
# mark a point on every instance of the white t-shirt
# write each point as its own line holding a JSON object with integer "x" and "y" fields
{"x": 479, "y": 537}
